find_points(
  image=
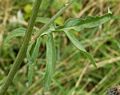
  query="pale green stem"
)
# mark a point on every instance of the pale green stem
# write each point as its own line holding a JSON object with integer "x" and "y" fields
{"x": 46, "y": 26}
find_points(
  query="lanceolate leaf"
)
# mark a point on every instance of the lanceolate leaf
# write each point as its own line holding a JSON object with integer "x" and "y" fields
{"x": 32, "y": 54}
{"x": 78, "y": 24}
{"x": 78, "y": 45}
{"x": 51, "y": 60}
{"x": 15, "y": 33}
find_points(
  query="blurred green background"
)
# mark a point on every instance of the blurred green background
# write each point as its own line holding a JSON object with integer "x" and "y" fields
{"x": 74, "y": 74}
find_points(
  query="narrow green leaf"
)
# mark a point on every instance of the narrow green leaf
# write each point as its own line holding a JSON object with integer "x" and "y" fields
{"x": 15, "y": 33}
{"x": 36, "y": 49}
{"x": 78, "y": 45}
{"x": 78, "y": 24}
{"x": 32, "y": 54}
{"x": 51, "y": 60}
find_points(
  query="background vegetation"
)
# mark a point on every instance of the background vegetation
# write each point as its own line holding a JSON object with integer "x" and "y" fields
{"x": 74, "y": 74}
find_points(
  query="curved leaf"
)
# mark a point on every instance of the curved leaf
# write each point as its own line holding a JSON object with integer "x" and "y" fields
{"x": 78, "y": 45}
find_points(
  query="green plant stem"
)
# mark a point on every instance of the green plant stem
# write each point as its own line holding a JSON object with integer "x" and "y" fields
{"x": 23, "y": 49}
{"x": 46, "y": 26}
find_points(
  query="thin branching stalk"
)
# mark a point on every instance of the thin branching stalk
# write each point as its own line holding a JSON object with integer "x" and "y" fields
{"x": 46, "y": 26}
{"x": 23, "y": 49}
